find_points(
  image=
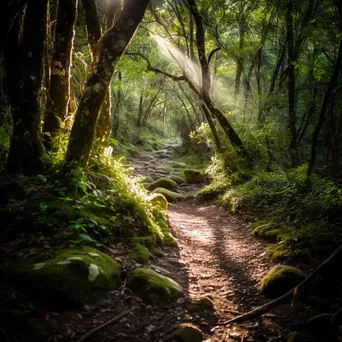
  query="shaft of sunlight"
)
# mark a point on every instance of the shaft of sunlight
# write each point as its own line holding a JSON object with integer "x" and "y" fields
{"x": 190, "y": 68}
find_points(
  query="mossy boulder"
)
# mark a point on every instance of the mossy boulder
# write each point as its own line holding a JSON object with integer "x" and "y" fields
{"x": 201, "y": 304}
{"x": 187, "y": 332}
{"x": 280, "y": 279}
{"x": 178, "y": 179}
{"x": 148, "y": 180}
{"x": 171, "y": 196}
{"x": 152, "y": 287}
{"x": 193, "y": 176}
{"x": 77, "y": 276}
{"x": 159, "y": 200}
{"x": 139, "y": 253}
{"x": 165, "y": 183}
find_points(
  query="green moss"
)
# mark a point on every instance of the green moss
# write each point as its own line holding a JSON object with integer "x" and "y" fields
{"x": 178, "y": 179}
{"x": 195, "y": 160}
{"x": 169, "y": 240}
{"x": 171, "y": 196}
{"x": 165, "y": 183}
{"x": 139, "y": 253}
{"x": 158, "y": 200}
{"x": 152, "y": 287}
{"x": 210, "y": 192}
{"x": 280, "y": 280}
{"x": 73, "y": 275}
{"x": 200, "y": 305}
{"x": 148, "y": 241}
{"x": 193, "y": 176}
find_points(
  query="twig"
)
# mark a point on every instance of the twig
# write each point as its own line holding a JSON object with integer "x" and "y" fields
{"x": 93, "y": 331}
{"x": 292, "y": 293}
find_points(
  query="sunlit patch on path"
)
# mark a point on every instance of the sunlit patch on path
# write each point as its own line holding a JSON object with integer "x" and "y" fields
{"x": 224, "y": 261}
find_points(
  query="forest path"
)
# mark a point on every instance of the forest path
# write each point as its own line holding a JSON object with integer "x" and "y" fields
{"x": 222, "y": 261}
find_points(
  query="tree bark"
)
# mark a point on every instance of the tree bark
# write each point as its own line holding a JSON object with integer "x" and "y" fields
{"x": 140, "y": 110}
{"x": 108, "y": 51}
{"x": 92, "y": 23}
{"x": 104, "y": 124}
{"x": 116, "y": 114}
{"x": 26, "y": 152}
{"x": 239, "y": 62}
{"x": 59, "y": 92}
{"x": 206, "y": 82}
{"x": 324, "y": 108}
{"x": 291, "y": 86}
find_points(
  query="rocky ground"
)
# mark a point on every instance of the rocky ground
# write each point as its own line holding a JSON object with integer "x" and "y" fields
{"x": 216, "y": 258}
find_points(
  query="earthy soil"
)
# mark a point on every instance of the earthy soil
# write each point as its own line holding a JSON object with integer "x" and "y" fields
{"x": 217, "y": 257}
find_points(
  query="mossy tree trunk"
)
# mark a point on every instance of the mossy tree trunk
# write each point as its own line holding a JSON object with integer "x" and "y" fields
{"x": 59, "y": 91}
{"x": 104, "y": 124}
{"x": 108, "y": 51}
{"x": 26, "y": 151}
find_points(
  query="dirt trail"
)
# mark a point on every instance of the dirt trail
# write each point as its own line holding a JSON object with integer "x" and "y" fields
{"x": 224, "y": 262}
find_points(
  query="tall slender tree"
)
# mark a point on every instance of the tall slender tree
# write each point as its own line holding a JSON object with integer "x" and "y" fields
{"x": 59, "y": 91}
{"x": 26, "y": 151}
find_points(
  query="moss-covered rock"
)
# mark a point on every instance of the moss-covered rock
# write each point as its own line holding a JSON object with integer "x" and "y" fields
{"x": 201, "y": 305}
{"x": 187, "y": 332}
{"x": 148, "y": 180}
{"x": 280, "y": 279}
{"x": 178, "y": 179}
{"x": 171, "y": 196}
{"x": 73, "y": 275}
{"x": 169, "y": 240}
{"x": 193, "y": 176}
{"x": 152, "y": 287}
{"x": 165, "y": 183}
{"x": 159, "y": 200}
{"x": 139, "y": 253}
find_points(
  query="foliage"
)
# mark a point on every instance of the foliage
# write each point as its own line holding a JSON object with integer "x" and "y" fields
{"x": 111, "y": 205}
{"x": 301, "y": 219}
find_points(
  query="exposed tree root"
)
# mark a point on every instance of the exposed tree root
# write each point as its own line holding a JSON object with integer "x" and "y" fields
{"x": 295, "y": 292}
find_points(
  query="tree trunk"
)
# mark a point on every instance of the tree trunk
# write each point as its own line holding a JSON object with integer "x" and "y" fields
{"x": 26, "y": 151}
{"x": 324, "y": 108}
{"x": 140, "y": 110}
{"x": 206, "y": 83}
{"x": 113, "y": 12}
{"x": 291, "y": 86}
{"x": 116, "y": 114}
{"x": 217, "y": 141}
{"x": 239, "y": 62}
{"x": 263, "y": 114}
{"x": 59, "y": 92}
{"x": 104, "y": 124}
{"x": 92, "y": 23}
{"x": 108, "y": 51}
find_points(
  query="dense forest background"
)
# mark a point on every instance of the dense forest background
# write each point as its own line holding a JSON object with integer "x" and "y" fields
{"x": 248, "y": 91}
{"x": 255, "y": 82}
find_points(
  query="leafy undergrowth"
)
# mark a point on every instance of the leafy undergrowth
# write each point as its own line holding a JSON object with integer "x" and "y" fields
{"x": 300, "y": 219}
{"x": 101, "y": 204}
